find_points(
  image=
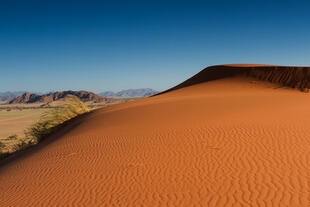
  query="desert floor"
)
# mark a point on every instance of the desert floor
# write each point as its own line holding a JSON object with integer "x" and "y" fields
{"x": 230, "y": 142}
{"x": 16, "y": 121}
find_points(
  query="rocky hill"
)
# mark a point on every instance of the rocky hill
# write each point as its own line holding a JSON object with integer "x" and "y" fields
{"x": 54, "y": 96}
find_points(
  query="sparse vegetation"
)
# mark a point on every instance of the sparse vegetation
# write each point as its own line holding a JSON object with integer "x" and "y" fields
{"x": 2, "y": 145}
{"x": 23, "y": 144}
{"x": 56, "y": 116}
{"x": 50, "y": 120}
{"x": 13, "y": 136}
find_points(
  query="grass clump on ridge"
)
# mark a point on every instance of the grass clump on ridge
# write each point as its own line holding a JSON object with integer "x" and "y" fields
{"x": 55, "y": 117}
{"x": 49, "y": 122}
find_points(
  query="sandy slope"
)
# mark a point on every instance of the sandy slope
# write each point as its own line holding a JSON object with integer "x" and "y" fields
{"x": 229, "y": 142}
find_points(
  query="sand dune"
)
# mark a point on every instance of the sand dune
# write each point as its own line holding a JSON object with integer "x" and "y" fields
{"x": 235, "y": 141}
{"x": 295, "y": 77}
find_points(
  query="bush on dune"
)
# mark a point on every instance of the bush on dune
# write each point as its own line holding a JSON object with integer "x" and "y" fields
{"x": 56, "y": 116}
{"x": 23, "y": 144}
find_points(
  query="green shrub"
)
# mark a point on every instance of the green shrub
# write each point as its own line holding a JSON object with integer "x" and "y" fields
{"x": 56, "y": 116}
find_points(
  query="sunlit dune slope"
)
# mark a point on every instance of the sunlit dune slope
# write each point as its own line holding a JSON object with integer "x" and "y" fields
{"x": 235, "y": 141}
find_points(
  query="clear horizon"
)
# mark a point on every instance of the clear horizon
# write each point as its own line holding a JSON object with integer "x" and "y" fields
{"x": 110, "y": 46}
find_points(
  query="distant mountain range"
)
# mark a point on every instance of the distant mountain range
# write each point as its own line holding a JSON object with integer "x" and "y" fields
{"x": 130, "y": 93}
{"x": 26, "y": 97}
{"x": 55, "y": 96}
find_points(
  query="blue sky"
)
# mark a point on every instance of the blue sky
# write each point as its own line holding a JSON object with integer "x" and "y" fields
{"x": 112, "y": 45}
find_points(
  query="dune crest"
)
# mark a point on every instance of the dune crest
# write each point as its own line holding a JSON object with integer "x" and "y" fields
{"x": 291, "y": 76}
{"x": 235, "y": 141}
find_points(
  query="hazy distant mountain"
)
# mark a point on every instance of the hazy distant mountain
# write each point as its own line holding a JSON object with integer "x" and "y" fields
{"x": 54, "y": 96}
{"x": 108, "y": 94}
{"x": 8, "y": 96}
{"x": 130, "y": 93}
{"x": 9, "y": 93}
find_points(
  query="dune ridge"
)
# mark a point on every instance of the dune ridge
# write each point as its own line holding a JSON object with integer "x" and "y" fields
{"x": 233, "y": 142}
{"x": 291, "y": 76}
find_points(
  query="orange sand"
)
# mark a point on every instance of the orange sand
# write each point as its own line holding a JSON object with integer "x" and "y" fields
{"x": 230, "y": 142}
